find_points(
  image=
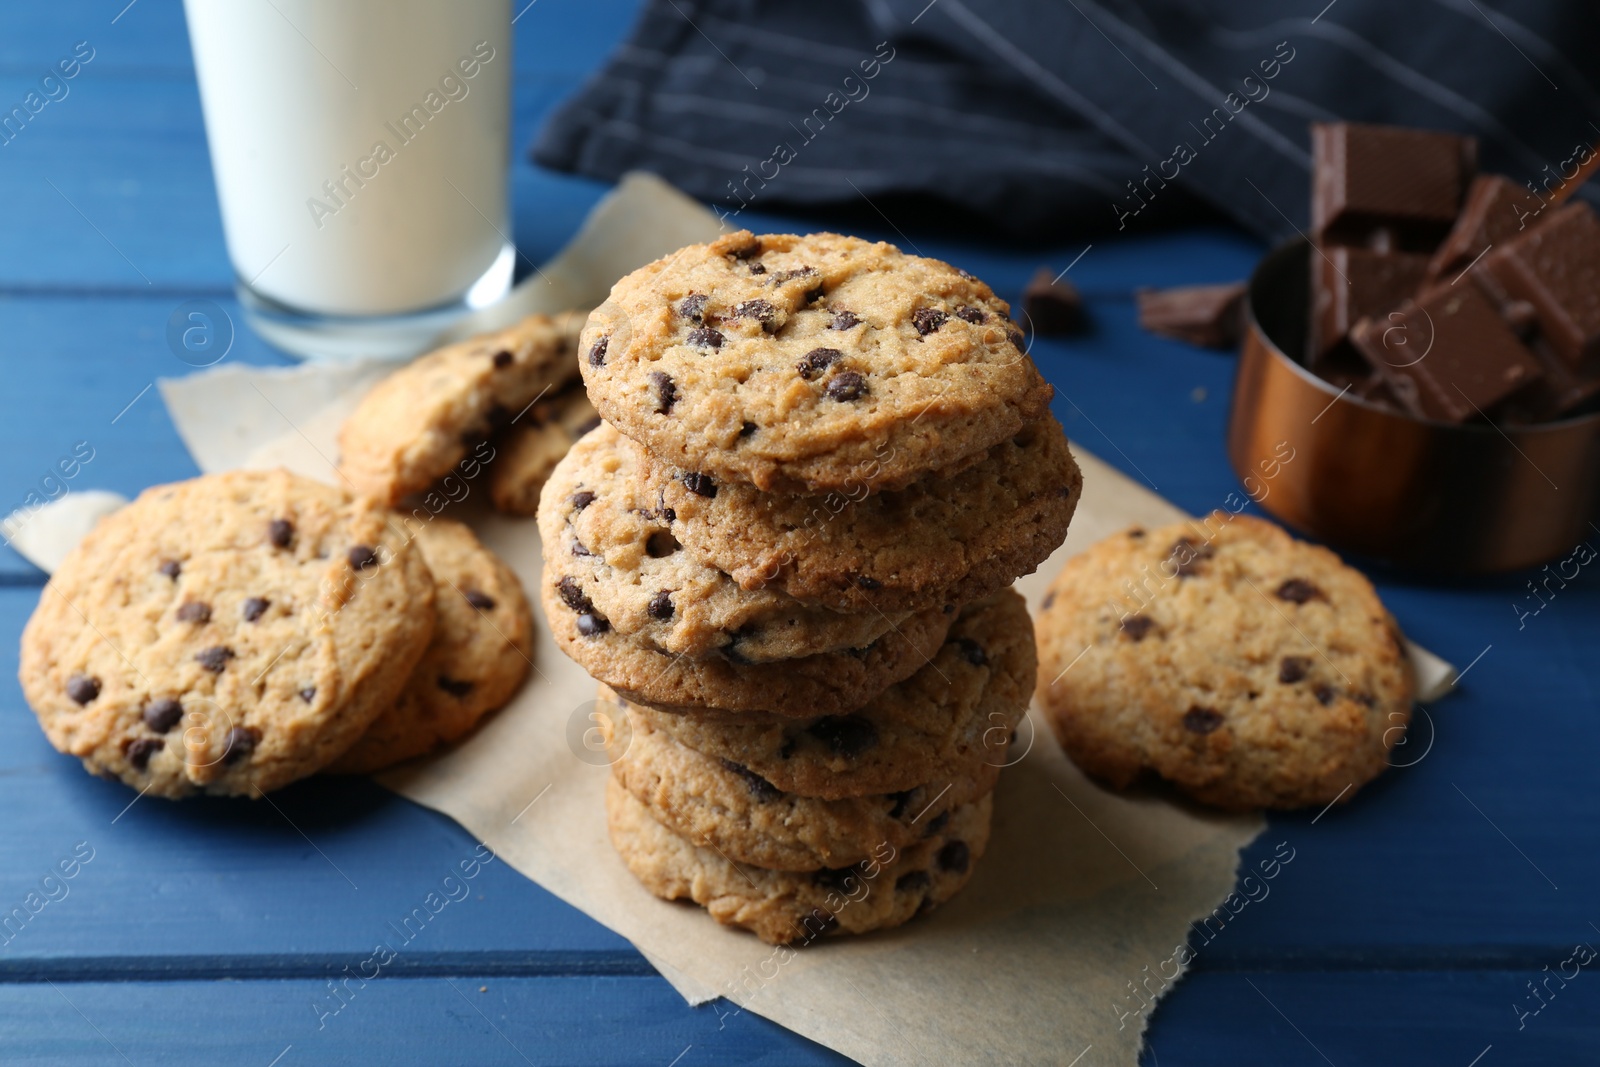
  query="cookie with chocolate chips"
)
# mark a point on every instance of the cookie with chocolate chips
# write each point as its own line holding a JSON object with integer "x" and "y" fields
{"x": 717, "y": 802}
{"x": 227, "y": 634}
{"x": 480, "y": 653}
{"x": 1247, "y": 668}
{"x": 890, "y": 887}
{"x": 809, "y": 364}
{"x": 953, "y": 719}
{"x": 430, "y": 416}
{"x": 940, "y": 540}
{"x": 528, "y": 451}
{"x": 610, "y": 551}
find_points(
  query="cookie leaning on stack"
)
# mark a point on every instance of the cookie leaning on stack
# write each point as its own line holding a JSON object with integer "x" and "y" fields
{"x": 788, "y": 550}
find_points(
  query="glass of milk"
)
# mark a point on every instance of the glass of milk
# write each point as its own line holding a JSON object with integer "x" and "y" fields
{"x": 360, "y": 149}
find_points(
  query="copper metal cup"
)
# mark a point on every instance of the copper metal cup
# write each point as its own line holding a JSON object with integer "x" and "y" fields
{"x": 1420, "y": 494}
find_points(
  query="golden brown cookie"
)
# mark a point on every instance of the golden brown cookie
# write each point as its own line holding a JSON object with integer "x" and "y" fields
{"x": 892, "y": 887}
{"x": 479, "y": 655}
{"x": 530, "y": 449}
{"x": 417, "y": 424}
{"x": 809, "y": 364}
{"x": 1247, "y": 668}
{"x": 227, "y": 634}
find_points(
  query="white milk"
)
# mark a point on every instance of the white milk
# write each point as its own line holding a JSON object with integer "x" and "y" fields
{"x": 360, "y": 148}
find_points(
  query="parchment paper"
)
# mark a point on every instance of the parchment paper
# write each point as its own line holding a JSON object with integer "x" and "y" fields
{"x": 1068, "y": 931}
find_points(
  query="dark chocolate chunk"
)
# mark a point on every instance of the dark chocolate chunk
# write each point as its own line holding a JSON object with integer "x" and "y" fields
{"x": 241, "y": 742}
{"x": 280, "y": 532}
{"x": 214, "y": 659}
{"x": 970, "y": 314}
{"x": 140, "y": 749}
{"x": 846, "y": 385}
{"x": 1555, "y": 268}
{"x": 1324, "y": 693}
{"x": 912, "y": 882}
{"x": 1298, "y": 591}
{"x": 1137, "y": 627}
{"x": 1406, "y": 183}
{"x": 699, "y": 484}
{"x": 660, "y": 606}
{"x": 1292, "y": 669}
{"x": 171, "y": 568}
{"x": 1497, "y": 209}
{"x": 666, "y": 391}
{"x": 479, "y": 600}
{"x": 844, "y": 320}
{"x": 1053, "y": 305}
{"x": 760, "y": 310}
{"x": 705, "y": 337}
{"x": 928, "y": 320}
{"x": 972, "y": 652}
{"x": 759, "y": 787}
{"x": 194, "y": 611}
{"x": 1200, "y": 720}
{"x": 1351, "y": 284}
{"x": 660, "y": 544}
{"x": 582, "y": 499}
{"x": 361, "y": 557}
{"x": 845, "y": 735}
{"x": 255, "y": 607}
{"x": 814, "y": 362}
{"x": 308, "y": 694}
{"x": 162, "y": 715}
{"x": 693, "y": 307}
{"x": 572, "y": 595}
{"x": 597, "y": 352}
{"x": 955, "y": 856}
{"x": 453, "y": 686}
{"x": 1210, "y": 316}
{"x": 503, "y": 358}
{"x": 591, "y": 624}
{"x": 82, "y": 688}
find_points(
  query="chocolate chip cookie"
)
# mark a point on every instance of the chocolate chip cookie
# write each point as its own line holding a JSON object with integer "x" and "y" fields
{"x": 952, "y": 719}
{"x": 809, "y": 364}
{"x": 227, "y": 634}
{"x": 1249, "y": 669}
{"x": 609, "y": 549}
{"x": 479, "y": 655}
{"x": 891, "y": 887}
{"x": 937, "y": 541}
{"x": 530, "y": 449}
{"x": 416, "y": 425}
{"x": 732, "y": 809}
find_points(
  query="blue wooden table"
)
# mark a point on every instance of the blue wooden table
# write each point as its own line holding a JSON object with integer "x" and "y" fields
{"x": 1412, "y": 927}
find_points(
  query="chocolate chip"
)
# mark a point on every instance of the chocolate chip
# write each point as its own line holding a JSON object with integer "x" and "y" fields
{"x": 452, "y": 686}
{"x": 1018, "y": 341}
{"x": 1200, "y": 720}
{"x": 846, "y": 385}
{"x": 361, "y": 557}
{"x": 972, "y": 652}
{"x": 214, "y": 659}
{"x": 955, "y": 856}
{"x": 479, "y": 599}
{"x": 900, "y": 802}
{"x": 82, "y": 688}
{"x": 814, "y": 362}
{"x": 140, "y": 749}
{"x": 666, "y": 391}
{"x": 1187, "y": 556}
{"x": 660, "y": 606}
{"x": 502, "y": 359}
{"x": 572, "y": 595}
{"x": 846, "y": 735}
{"x": 759, "y": 787}
{"x": 255, "y": 607}
{"x": 308, "y": 694}
{"x": 241, "y": 742}
{"x": 579, "y": 549}
{"x": 660, "y": 544}
{"x": 811, "y": 296}
{"x": 699, "y": 484}
{"x": 582, "y": 499}
{"x": 936, "y": 824}
{"x": 1324, "y": 693}
{"x": 194, "y": 611}
{"x": 162, "y": 715}
{"x": 912, "y": 882}
{"x": 171, "y": 568}
{"x": 760, "y": 310}
{"x": 928, "y": 320}
{"x": 757, "y": 268}
{"x": 1137, "y": 533}
{"x": 693, "y": 306}
{"x": 1298, "y": 591}
{"x": 280, "y": 532}
{"x": 1137, "y": 627}
{"x": 592, "y": 624}
{"x": 748, "y": 428}
{"x": 970, "y": 314}
{"x": 790, "y": 275}
{"x": 748, "y": 251}
{"x": 844, "y": 320}
{"x": 867, "y": 583}
{"x": 1292, "y": 669}
{"x": 597, "y": 352}
{"x": 705, "y": 337}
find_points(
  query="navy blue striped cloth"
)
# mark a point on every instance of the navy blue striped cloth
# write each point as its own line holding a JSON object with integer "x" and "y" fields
{"x": 1046, "y": 115}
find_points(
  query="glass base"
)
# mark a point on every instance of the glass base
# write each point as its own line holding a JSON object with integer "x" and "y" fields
{"x": 313, "y": 336}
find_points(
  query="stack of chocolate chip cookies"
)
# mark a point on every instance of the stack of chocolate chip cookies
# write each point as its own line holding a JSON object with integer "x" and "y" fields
{"x": 786, "y": 556}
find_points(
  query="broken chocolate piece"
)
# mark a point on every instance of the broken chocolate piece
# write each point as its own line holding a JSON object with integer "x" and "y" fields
{"x": 1555, "y": 267}
{"x": 1351, "y": 284}
{"x": 1052, "y": 304}
{"x": 1210, "y": 316}
{"x": 1496, "y": 210}
{"x": 1387, "y": 187}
